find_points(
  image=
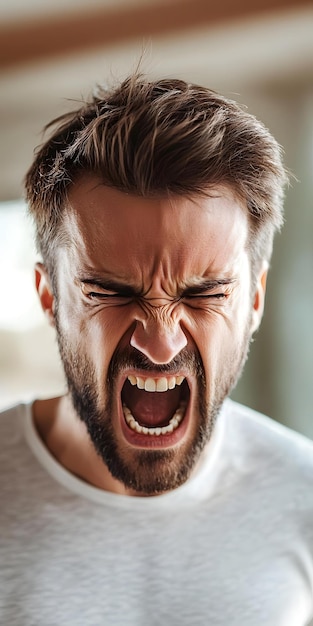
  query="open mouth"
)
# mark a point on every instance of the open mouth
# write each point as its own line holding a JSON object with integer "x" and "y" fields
{"x": 154, "y": 406}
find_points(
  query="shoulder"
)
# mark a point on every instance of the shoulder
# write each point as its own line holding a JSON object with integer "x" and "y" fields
{"x": 265, "y": 442}
{"x": 14, "y": 411}
{"x": 11, "y": 420}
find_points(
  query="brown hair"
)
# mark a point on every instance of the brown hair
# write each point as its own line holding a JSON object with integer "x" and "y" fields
{"x": 156, "y": 138}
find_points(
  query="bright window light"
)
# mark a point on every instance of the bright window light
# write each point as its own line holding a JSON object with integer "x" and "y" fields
{"x": 20, "y": 309}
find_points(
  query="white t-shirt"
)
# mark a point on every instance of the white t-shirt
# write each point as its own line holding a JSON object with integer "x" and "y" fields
{"x": 232, "y": 547}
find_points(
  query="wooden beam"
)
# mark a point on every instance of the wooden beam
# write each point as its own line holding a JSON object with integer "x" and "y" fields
{"x": 49, "y": 38}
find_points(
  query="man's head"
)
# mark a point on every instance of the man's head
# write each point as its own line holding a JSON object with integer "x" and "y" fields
{"x": 159, "y": 138}
{"x": 155, "y": 206}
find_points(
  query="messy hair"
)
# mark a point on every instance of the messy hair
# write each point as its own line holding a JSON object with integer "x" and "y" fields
{"x": 156, "y": 138}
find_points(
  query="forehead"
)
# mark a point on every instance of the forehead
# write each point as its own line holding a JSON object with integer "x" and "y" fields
{"x": 106, "y": 227}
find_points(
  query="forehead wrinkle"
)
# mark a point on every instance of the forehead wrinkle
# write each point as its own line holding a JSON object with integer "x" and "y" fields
{"x": 170, "y": 266}
{"x": 91, "y": 240}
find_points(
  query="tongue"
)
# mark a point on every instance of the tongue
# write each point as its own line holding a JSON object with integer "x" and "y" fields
{"x": 151, "y": 408}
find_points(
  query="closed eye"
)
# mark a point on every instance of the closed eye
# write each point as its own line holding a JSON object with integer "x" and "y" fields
{"x": 106, "y": 290}
{"x": 208, "y": 290}
{"x": 104, "y": 295}
{"x": 204, "y": 296}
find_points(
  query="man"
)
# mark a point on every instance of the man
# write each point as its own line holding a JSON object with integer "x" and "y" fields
{"x": 144, "y": 495}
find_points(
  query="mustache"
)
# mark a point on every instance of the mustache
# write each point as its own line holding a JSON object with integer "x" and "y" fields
{"x": 130, "y": 358}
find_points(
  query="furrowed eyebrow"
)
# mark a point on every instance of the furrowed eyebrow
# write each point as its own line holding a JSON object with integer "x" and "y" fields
{"x": 207, "y": 285}
{"x": 110, "y": 285}
{"x": 124, "y": 289}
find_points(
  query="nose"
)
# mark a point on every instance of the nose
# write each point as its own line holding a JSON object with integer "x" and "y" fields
{"x": 158, "y": 336}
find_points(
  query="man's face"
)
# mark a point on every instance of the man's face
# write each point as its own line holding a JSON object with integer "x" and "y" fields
{"x": 154, "y": 317}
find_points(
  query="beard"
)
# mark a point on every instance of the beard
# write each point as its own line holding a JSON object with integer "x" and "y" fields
{"x": 145, "y": 472}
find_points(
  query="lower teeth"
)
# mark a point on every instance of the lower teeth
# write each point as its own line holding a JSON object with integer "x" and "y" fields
{"x": 159, "y": 430}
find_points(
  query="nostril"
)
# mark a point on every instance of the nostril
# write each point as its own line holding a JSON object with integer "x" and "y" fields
{"x": 160, "y": 344}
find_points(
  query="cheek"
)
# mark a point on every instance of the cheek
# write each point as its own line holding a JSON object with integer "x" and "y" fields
{"x": 101, "y": 333}
{"x": 218, "y": 335}
{"x": 94, "y": 331}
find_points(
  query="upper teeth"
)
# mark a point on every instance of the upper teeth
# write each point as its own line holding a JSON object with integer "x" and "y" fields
{"x": 156, "y": 384}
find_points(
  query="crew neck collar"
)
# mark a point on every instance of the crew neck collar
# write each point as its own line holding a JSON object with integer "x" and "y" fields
{"x": 200, "y": 484}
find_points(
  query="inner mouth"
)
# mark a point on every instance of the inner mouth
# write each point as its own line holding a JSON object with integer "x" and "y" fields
{"x": 154, "y": 406}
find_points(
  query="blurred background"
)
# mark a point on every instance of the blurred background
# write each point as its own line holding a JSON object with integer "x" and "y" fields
{"x": 259, "y": 53}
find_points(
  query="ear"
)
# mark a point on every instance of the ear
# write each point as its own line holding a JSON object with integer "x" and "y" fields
{"x": 259, "y": 298}
{"x": 45, "y": 293}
